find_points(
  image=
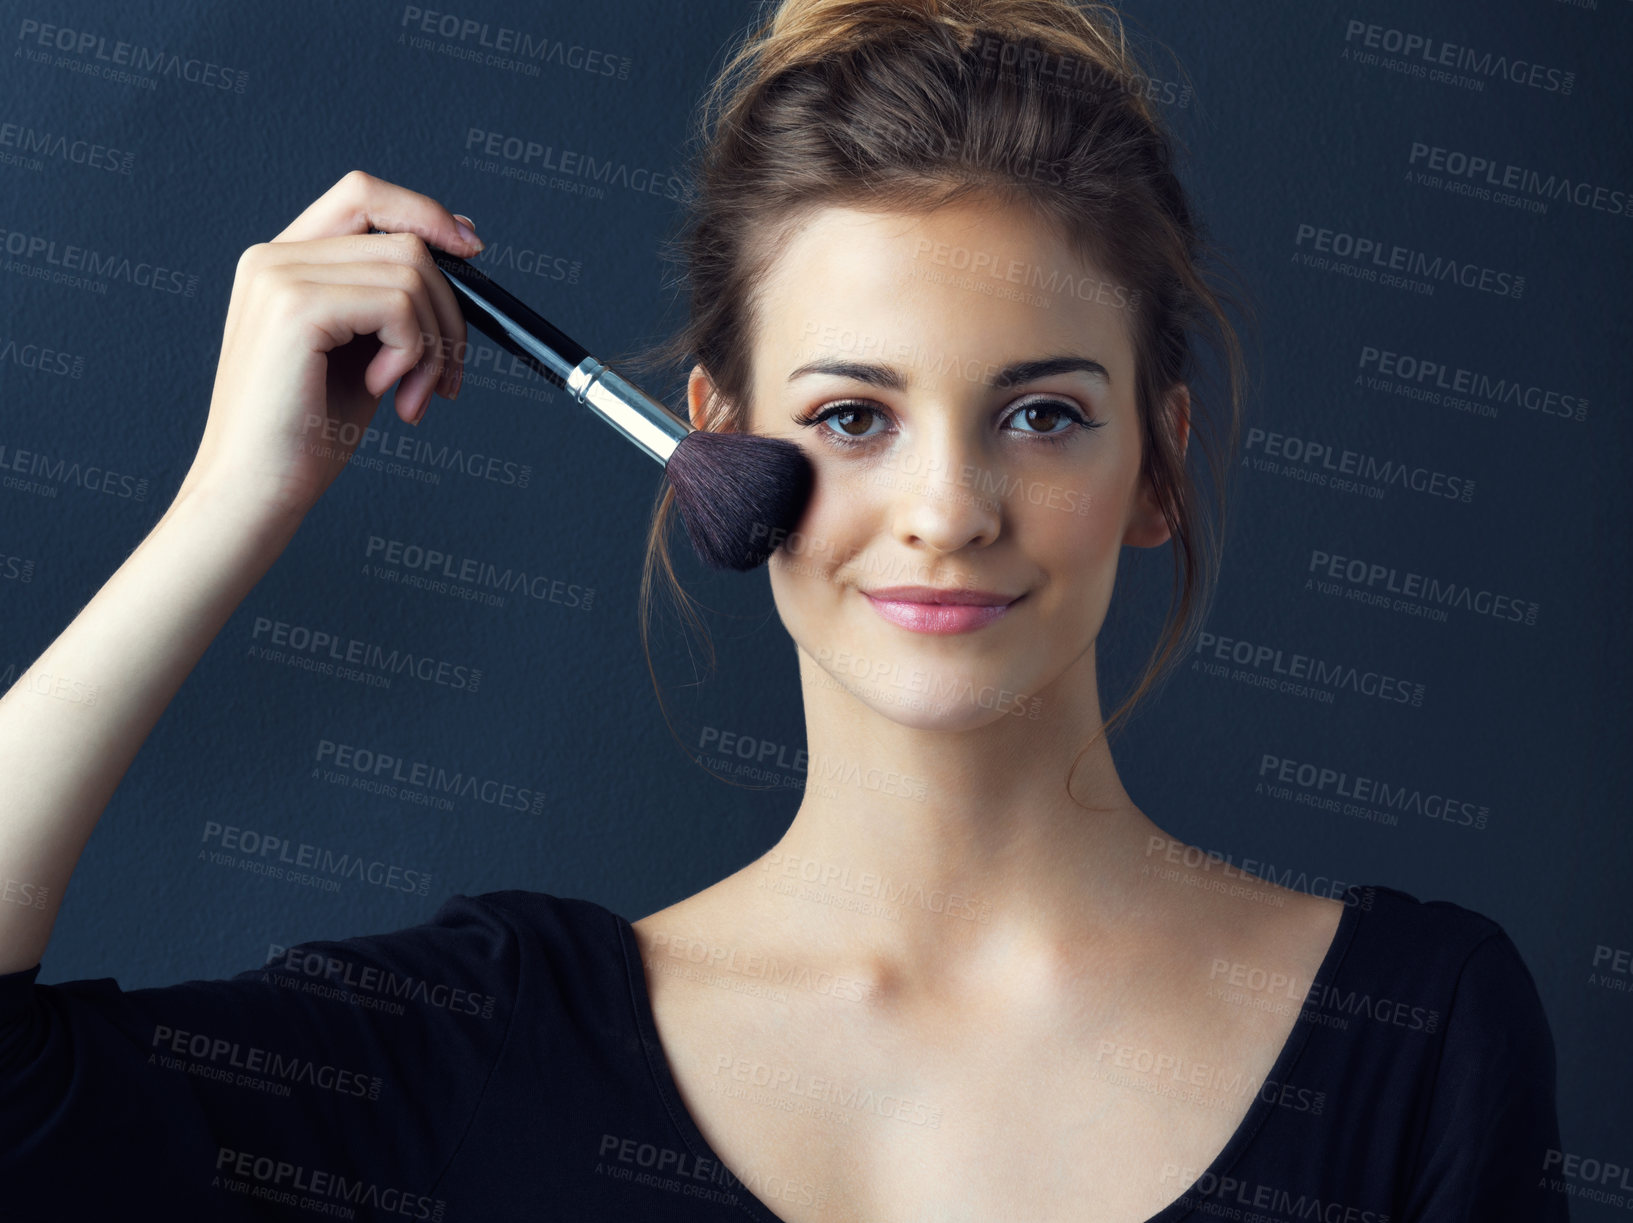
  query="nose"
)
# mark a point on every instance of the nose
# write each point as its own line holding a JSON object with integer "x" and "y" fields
{"x": 935, "y": 508}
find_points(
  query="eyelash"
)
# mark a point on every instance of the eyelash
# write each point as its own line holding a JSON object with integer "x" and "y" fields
{"x": 1058, "y": 437}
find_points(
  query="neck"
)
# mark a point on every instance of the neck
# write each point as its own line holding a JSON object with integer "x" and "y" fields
{"x": 919, "y": 848}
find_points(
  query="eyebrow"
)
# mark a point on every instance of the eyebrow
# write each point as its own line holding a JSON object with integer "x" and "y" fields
{"x": 1011, "y": 375}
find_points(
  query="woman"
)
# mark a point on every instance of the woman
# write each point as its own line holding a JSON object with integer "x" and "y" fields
{"x": 939, "y": 245}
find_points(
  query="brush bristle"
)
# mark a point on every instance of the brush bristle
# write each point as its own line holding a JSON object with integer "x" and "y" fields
{"x": 740, "y": 494}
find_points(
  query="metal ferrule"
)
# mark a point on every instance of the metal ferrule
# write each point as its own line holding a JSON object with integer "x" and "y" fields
{"x": 630, "y": 410}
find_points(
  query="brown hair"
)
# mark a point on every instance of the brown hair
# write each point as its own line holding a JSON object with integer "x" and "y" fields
{"x": 905, "y": 105}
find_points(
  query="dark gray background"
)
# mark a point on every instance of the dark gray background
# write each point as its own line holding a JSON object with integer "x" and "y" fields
{"x": 1528, "y": 721}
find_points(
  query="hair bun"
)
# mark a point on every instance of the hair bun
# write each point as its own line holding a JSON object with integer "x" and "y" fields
{"x": 805, "y": 30}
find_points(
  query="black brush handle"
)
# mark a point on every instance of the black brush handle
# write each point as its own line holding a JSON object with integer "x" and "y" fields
{"x": 508, "y": 321}
{"x": 641, "y": 419}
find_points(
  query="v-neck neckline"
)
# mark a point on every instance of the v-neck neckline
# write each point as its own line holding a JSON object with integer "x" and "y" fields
{"x": 1258, "y": 1111}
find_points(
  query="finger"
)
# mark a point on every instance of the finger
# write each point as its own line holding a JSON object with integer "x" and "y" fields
{"x": 406, "y": 250}
{"x": 436, "y": 354}
{"x": 359, "y": 201}
{"x": 345, "y": 310}
{"x": 444, "y": 303}
{"x": 420, "y": 381}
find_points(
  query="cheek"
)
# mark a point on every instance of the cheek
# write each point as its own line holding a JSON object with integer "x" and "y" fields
{"x": 1073, "y": 533}
{"x": 1101, "y": 496}
{"x": 1070, "y": 548}
{"x": 1067, "y": 523}
{"x": 831, "y": 529}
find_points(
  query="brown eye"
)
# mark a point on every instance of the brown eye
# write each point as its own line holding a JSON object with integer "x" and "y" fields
{"x": 848, "y": 416}
{"x": 854, "y": 421}
{"x": 1044, "y": 417}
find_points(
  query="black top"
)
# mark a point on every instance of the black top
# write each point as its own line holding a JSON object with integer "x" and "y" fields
{"x": 500, "y": 1062}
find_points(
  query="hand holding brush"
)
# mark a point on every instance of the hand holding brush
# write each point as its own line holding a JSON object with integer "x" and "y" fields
{"x": 327, "y": 316}
{"x": 739, "y": 493}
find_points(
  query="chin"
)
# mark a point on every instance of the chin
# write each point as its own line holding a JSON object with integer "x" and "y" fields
{"x": 945, "y": 701}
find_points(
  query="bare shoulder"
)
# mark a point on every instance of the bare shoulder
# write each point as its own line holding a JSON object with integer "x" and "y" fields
{"x": 703, "y": 915}
{"x": 708, "y": 939}
{"x": 682, "y": 949}
{"x": 1246, "y": 926}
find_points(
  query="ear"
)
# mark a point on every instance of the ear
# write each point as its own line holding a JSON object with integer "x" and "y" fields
{"x": 699, "y": 391}
{"x": 1179, "y": 415}
{"x": 1147, "y": 528}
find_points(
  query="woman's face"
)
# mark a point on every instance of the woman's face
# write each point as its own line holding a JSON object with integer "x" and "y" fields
{"x": 881, "y": 346}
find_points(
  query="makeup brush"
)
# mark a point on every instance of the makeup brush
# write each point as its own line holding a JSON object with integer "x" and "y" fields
{"x": 740, "y": 494}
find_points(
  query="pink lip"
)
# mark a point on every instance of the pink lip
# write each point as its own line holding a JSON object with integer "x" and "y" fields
{"x": 924, "y": 609}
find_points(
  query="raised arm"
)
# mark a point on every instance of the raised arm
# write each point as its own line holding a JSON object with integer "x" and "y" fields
{"x": 321, "y": 322}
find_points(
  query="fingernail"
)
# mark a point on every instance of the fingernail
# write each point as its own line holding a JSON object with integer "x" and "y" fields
{"x": 448, "y": 380}
{"x": 467, "y": 230}
{"x": 458, "y": 379}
